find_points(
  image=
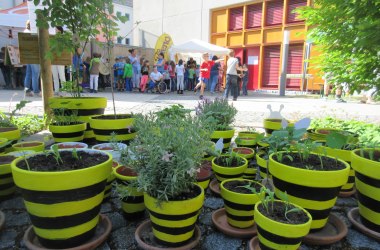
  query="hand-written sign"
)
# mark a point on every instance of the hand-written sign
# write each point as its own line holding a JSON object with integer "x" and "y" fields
{"x": 29, "y": 51}
{"x": 12, "y": 56}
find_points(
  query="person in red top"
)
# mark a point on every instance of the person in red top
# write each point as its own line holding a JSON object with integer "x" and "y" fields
{"x": 205, "y": 73}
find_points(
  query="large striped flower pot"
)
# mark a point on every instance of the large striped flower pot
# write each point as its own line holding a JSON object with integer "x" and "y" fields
{"x": 68, "y": 133}
{"x": 63, "y": 206}
{"x": 314, "y": 190}
{"x": 133, "y": 204}
{"x": 367, "y": 181}
{"x": 111, "y": 178}
{"x": 173, "y": 222}
{"x": 13, "y": 134}
{"x": 7, "y": 186}
{"x": 271, "y": 125}
{"x": 86, "y": 107}
{"x": 36, "y": 146}
{"x": 225, "y": 134}
{"x": 121, "y": 125}
{"x": 279, "y": 235}
{"x": 247, "y": 153}
{"x": 223, "y": 172}
{"x": 239, "y": 202}
{"x": 344, "y": 155}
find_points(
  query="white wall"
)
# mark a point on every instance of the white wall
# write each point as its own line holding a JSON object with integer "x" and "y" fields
{"x": 181, "y": 19}
{"x": 125, "y": 28}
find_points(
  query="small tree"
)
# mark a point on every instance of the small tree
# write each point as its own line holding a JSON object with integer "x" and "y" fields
{"x": 348, "y": 35}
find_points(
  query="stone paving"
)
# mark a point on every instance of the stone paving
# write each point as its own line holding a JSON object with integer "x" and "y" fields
{"x": 251, "y": 111}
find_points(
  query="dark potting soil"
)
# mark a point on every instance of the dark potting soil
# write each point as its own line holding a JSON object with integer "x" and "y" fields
{"x": 238, "y": 186}
{"x": 252, "y": 163}
{"x": 278, "y": 213}
{"x": 312, "y": 163}
{"x": 47, "y": 163}
{"x": 6, "y": 159}
{"x": 66, "y": 124}
{"x": 374, "y": 156}
{"x": 27, "y": 144}
{"x": 112, "y": 117}
{"x": 226, "y": 162}
{"x": 244, "y": 151}
{"x": 7, "y": 129}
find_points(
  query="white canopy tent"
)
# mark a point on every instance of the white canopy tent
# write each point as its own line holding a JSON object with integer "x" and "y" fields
{"x": 194, "y": 48}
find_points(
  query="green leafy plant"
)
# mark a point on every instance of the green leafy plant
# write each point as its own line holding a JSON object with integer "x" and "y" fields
{"x": 217, "y": 114}
{"x": 341, "y": 141}
{"x": 64, "y": 117}
{"x": 56, "y": 154}
{"x": 173, "y": 111}
{"x": 166, "y": 154}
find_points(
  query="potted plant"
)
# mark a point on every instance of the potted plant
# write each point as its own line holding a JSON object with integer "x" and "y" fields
{"x": 217, "y": 115}
{"x": 229, "y": 166}
{"x": 62, "y": 192}
{"x": 166, "y": 155}
{"x": 7, "y": 186}
{"x": 312, "y": 181}
{"x": 240, "y": 197}
{"x": 36, "y": 146}
{"x": 280, "y": 224}
{"x": 366, "y": 163}
{"x": 67, "y": 128}
{"x": 204, "y": 174}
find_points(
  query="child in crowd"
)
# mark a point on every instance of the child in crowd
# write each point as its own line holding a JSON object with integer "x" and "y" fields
{"x": 180, "y": 70}
{"x": 119, "y": 72}
{"x": 172, "y": 76}
{"x": 186, "y": 77}
{"x": 94, "y": 73}
{"x": 144, "y": 75}
{"x": 128, "y": 73}
{"x": 192, "y": 76}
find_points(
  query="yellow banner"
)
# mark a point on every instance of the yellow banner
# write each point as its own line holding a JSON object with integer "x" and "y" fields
{"x": 163, "y": 44}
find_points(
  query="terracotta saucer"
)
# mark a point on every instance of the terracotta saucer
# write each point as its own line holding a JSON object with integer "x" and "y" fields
{"x": 254, "y": 244}
{"x": 2, "y": 220}
{"x": 354, "y": 217}
{"x": 215, "y": 187}
{"x": 347, "y": 194}
{"x": 145, "y": 239}
{"x": 219, "y": 218}
{"x": 102, "y": 231}
{"x": 334, "y": 230}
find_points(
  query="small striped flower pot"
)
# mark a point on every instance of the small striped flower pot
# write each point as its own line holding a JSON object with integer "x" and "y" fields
{"x": 70, "y": 145}
{"x": 323, "y": 132}
{"x": 133, "y": 204}
{"x": 111, "y": 178}
{"x": 367, "y": 181}
{"x": 225, "y": 134}
{"x": 314, "y": 190}
{"x": 121, "y": 125}
{"x": 68, "y": 133}
{"x": 173, "y": 222}
{"x": 13, "y": 134}
{"x": 85, "y": 107}
{"x": 262, "y": 162}
{"x": 279, "y": 235}
{"x": 36, "y": 146}
{"x": 7, "y": 186}
{"x": 204, "y": 175}
{"x": 115, "y": 149}
{"x": 223, "y": 172}
{"x": 240, "y": 204}
{"x": 63, "y": 206}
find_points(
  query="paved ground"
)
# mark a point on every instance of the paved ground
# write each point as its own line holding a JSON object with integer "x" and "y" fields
{"x": 252, "y": 110}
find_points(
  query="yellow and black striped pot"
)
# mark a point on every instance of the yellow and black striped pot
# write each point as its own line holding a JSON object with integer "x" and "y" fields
{"x": 277, "y": 235}
{"x": 133, "y": 205}
{"x": 36, "y": 146}
{"x": 204, "y": 175}
{"x": 344, "y": 155}
{"x": 105, "y": 125}
{"x": 323, "y": 132}
{"x": 13, "y": 134}
{"x": 63, "y": 206}
{"x": 85, "y": 106}
{"x": 68, "y": 133}
{"x": 367, "y": 181}
{"x": 240, "y": 207}
{"x": 262, "y": 164}
{"x": 111, "y": 178}
{"x": 245, "y": 142}
{"x": 225, "y": 134}
{"x": 226, "y": 172}
{"x": 314, "y": 136}
{"x": 173, "y": 222}
{"x": 3, "y": 145}
{"x": 271, "y": 125}
{"x": 314, "y": 190}
{"x": 7, "y": 186}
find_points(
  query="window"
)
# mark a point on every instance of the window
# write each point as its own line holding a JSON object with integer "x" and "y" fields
{"x": 127, "y": 41}
{"x": 274, "y": 12}
{"x": 119, "y": 39}
{"x": 127, "y": 16}
{"x": 236, "y": 19}
{"x": 118, "y": 13}
{"x": 254, "y": 15}
{"x": 294, "y": 4}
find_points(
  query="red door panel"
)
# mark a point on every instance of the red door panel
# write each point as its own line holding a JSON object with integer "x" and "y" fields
{"x": 253, "y": 81}
{"x": 271, "y": 66}
{"x": 294, "y": 65}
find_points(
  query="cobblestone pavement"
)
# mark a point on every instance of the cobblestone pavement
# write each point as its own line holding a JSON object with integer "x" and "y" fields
{"x": 251, "y": 111}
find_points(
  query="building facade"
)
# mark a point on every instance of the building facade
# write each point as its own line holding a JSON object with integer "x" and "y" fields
{"x": 7, "y": 4}
{"x": 254, "y": 29}
{"x": 124, "y": 8}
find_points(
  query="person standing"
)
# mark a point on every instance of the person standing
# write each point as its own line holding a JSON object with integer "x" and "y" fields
{"x": 6, "y": 70}
{"x": 94, "y": 73}
{"x": 136, "y": 68}
{"x": 180, "y": 70}
{"x": 232, "y": 76}
{"x": 245, "y": 79}
{"x": 32, "y": 75}
{"x": 172, "y": 76}
{"x": 58, "y": 71}
{"x": 144, "y": 75}
{"x": 127, "y": 75}
{"x": 214, "y": 74}
{"x": 160, "y": 63}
